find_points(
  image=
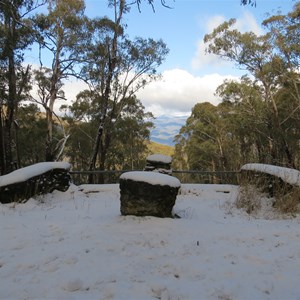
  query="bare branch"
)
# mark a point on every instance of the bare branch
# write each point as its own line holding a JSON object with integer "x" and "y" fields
{"x": 250, "y": 2}
{"x": 151, "y": 3}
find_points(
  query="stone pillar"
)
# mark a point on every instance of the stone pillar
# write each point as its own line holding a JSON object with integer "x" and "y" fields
{"x": 159, "y": 163}
{"x": 148, "y": 194}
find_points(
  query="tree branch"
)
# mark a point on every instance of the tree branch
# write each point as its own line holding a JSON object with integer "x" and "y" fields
{"x": 250, "y": 2}
{"x": 151, "y": 3}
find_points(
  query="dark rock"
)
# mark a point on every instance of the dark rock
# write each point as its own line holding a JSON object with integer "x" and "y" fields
{"x": 148, "y": 194}
{"x": 46, "y": 182}
{"x": 159, "y": 163}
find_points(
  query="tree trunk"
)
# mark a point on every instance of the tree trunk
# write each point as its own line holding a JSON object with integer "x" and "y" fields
{"x": 95, "y": 153}
{"x": 2, "y": 145}
{"x": 283, "y": 145}
{"x": 55, "y": 79}
{"x": 107, "y": 92}
{"x": 11, "y": 103}
{"x": 49, "y": 147}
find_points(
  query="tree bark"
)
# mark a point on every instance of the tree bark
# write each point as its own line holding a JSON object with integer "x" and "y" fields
{"x": 2, "y": 145}
{"x": 12, "y": 93}
{"x": 95, "y": 153}
{"x": 107, "y": 92}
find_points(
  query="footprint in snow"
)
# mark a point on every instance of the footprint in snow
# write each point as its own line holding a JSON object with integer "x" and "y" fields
{"x": 73, "y": 286}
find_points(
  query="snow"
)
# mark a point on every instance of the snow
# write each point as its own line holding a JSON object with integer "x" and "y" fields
{"x": 153, "y": 178}
{"x": 159, "y": 158}
{"x": 76, "y": 245}
{"x": 290, "y": 176}
{"x": 26, "y": 173}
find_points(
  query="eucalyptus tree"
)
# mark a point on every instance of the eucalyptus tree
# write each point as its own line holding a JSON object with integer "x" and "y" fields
{"x": 116, "y": 69}
{"x": 16, "y": 35}
{"x": 128, "y": 149}
{"x": 207, "y": 141}
{"x": 284, "y": 34}
{"x": 226, "y": 136}
{"x": 131, "y": 130}
{"x": 248, "y": 119}
{"x": 60, "y": 33}
{"x": 31, "y": 132}
{"x": 264, "y": 60}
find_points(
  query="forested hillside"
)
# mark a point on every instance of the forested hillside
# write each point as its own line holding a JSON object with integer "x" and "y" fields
{"x": 160, "y": 148}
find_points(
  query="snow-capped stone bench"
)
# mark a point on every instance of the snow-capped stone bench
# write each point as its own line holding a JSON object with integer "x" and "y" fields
{"x": 148, "y": 193}
{"x": 159, "y": 163}
{"x": 37, "y": 179}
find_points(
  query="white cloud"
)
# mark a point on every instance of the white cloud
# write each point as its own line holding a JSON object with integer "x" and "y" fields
{"x": 214, "y": 22}
{"x": 245, "y": 23}
{"x": 202, "y": 59}
{"x": 248, "y": 23}
{"x": 72, "y": 88}
{"x": 175, "y": 95}
{"x": 179, "y": 91}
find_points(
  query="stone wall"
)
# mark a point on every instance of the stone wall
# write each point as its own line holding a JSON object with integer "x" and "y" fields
{"x": 52, "y": 177}
{"x": 269, "y": 178}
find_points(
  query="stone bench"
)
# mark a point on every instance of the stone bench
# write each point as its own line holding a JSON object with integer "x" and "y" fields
{"x": 148, "y": 194}
{"x": 40, "y": 178}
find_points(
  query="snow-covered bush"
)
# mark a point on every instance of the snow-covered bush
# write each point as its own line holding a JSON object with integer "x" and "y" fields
{"x": 276, "y": 185}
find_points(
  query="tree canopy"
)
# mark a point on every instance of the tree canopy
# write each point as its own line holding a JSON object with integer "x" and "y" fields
{"x": 258, "y": 119}
{"x": 96, "y": 51}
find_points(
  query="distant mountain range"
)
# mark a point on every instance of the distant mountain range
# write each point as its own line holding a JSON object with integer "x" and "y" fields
{"x": 166, "y": 128}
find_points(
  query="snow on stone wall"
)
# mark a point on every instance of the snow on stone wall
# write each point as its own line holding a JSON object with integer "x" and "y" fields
{"x": 290, "y": 176}
{"x": 37, "y": 179}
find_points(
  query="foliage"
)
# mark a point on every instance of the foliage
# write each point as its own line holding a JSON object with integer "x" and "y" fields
{"x": 16, "y": 35}
{"x": 289, "y": 202}
{"x": 32, "y": 128}
{"x": 258, "y": 119}
{"x": 206, "y": 139}
{"x": 59, "y": 33}
{"x": 115, "y": 68}
{"x": 94, "y": 50}
{"x": 267, "y": 59}
{"x": 127, "y": 148}
{"x": 261, "y": 192}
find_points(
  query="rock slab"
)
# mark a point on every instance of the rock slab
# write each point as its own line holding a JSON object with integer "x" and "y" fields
{"x": 148, "y": 194}
{"x": 159, "y": 163}
{"x": 38, "y": 179}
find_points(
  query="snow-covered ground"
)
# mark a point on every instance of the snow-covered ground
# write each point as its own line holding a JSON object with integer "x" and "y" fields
{"x": 76, "y": 245}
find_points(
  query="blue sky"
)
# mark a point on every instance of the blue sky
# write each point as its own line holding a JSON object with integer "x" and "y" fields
{"x": 188, "y": 75}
